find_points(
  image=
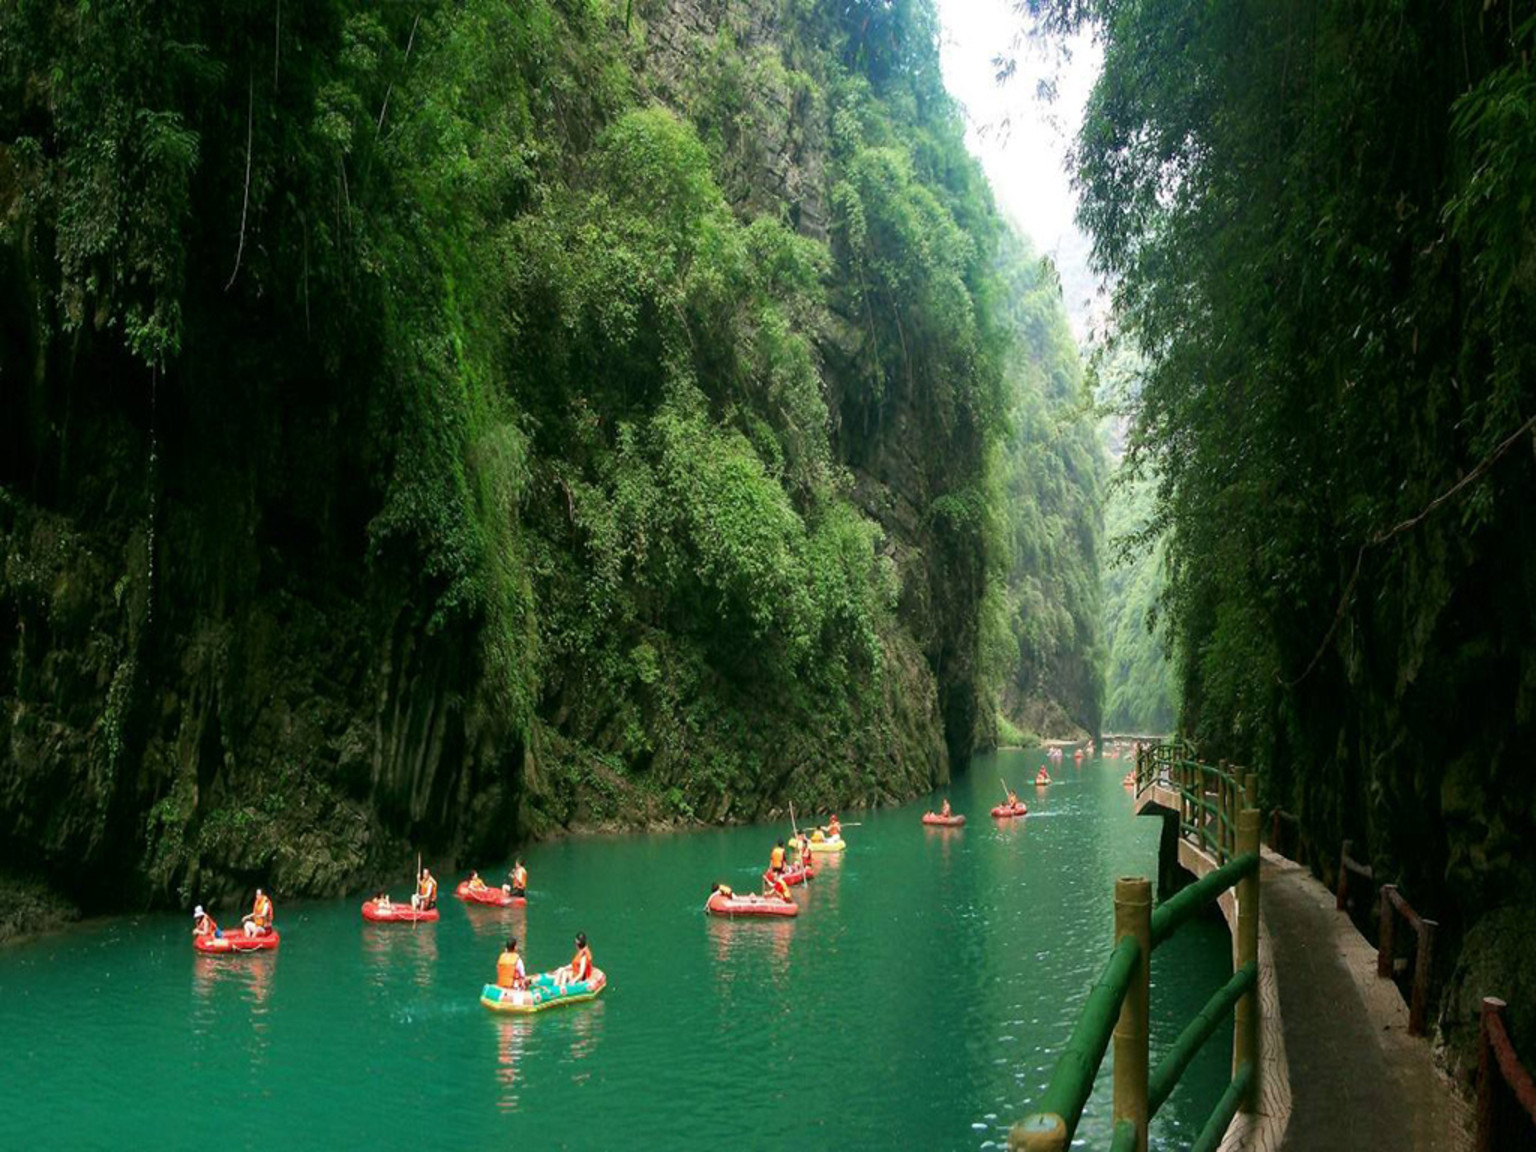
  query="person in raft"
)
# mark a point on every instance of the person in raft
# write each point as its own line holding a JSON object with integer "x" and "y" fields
{"x": 723, "y": 889}
{"x": 258, "y": 922}
{"x": 1013, "y": 798}
{"x": 834, "y": 829}
{"x": 580, "y": 967}
{"x": 776, "y": 858}
{"x": 203, "y": 925}
{"x": 518, "y": 879}
{"x": 944, "y": 811}
{"x": 475, "y": 884}
{"x": 774, "y": 887}
{"x": 382, "y": 901}
{"x": 510, "y": 972}
{"x": 805, "y": 848}
{"x": 426, "y": 892}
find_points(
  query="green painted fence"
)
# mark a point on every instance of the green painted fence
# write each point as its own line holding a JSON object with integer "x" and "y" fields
{"x": 1217, "y": 814}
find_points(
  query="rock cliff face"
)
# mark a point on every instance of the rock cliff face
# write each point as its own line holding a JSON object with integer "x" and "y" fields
{"x": 212, "y": 675}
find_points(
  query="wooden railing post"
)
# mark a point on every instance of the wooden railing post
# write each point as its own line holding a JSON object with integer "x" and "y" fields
{"x": 1133, "y": 917}
{"x": 1043, "y": 1132}
{"x": 1245, "y": 1020}
{"x": 1341, "y": 894}
{"x": 1418, "y": 1005}
{"x": 1386, "y": 932}
{"x": 1487, "y": 1075}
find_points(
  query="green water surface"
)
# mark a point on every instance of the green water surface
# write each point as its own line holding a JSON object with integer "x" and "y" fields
{"x": 918, "y": 1000}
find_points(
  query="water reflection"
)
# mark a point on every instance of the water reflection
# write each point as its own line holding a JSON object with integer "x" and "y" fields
{"x": 512, "y": 1034}
{"x": 389, "y": 949}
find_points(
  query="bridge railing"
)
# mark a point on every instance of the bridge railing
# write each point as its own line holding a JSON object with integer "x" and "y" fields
{"x": 1209, "y": 795}
{"x": 1117, "y": 1006}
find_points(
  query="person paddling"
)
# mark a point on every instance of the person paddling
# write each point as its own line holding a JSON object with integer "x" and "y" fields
{"x": 518, "y": 879}
{"x": 1013, "y": 798}
{"x": 426, "y": 892}
{"x": 805, "y": 849}
{"x": 258, "y": 922}
{"x": 510, "y": 972}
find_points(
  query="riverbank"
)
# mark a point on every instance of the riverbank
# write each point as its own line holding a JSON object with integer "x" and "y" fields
{"x": 30, "y": 907}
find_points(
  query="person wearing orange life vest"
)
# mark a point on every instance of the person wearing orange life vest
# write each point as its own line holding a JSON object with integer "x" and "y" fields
{"x": 426, "y": 892}
{"x": 805, "y": 849}
{"x": 203, "y": 924}
{"x": 776, "y": 858}
{"x": 774, "y": 886}
{"x": 580, "y": 967}
{"x": 519, "y": 879}
{"x": 1013, "y": 798}
{"x": 475, "y": 883}
{"x": 510, "y": 972}
{"x": 259, "y": 921}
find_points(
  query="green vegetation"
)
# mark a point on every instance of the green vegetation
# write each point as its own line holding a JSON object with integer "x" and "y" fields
{"x": 437, "y": 424}
{"x": 1042, "y": 616}
{"x": 1140, "y": 676}
{"x": 1320, "y": 225}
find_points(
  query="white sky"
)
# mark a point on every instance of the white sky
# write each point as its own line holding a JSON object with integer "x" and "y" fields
{"x": 1026, "y": 163}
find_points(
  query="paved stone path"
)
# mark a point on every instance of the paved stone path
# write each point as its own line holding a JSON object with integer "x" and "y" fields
{"x": 1358, "y": 1081}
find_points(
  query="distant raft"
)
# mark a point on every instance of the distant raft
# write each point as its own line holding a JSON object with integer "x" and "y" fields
{"x": 1009, "y": 811}
{"x": 934, "y": 818}
{"x": 750, "y": 905}
{"x": 542, "y": 992}
{"x": 397, "y": 913}
{"x": 234, "y": 943}
{"x": 492, "y": 897}
{"x": 829, "y": 844}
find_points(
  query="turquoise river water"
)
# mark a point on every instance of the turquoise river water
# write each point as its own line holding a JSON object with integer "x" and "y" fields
{"x": 919, "y": 1000}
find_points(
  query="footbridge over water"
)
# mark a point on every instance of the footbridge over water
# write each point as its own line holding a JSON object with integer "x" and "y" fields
{"x": 1331, "y": 1064}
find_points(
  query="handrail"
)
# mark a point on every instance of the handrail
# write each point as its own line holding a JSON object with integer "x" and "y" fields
{"x": 1072, "y": 1079}
{"x": 1118, "y": 1004}
{"x": 1348, "y": 864}
{"x": 1174, "y": 913}
{"x": 1496, "y": 1054}
{"x": 1166, "y": 1075}
{"x": 1418, "y": 999}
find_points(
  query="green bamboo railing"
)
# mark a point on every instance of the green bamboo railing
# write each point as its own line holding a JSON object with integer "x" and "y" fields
{"x": 1117, "y": 1005}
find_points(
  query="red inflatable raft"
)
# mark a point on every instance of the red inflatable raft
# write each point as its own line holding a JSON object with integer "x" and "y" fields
{"x": 798, "y": 874}
{"x": 750, "y": 906}
{"x": 397, "y": 913}
{"x": 494, "y": 897}
{"x": 1009, "y": 811}
{"x": 943, "y": 821}
{"x": 235, "y": 942}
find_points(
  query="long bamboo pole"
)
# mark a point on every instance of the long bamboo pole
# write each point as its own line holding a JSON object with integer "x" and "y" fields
{"x": 1133, "y": 917}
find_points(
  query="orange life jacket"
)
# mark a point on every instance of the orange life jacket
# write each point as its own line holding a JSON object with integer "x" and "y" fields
{"x": 206, "y": 927}
{"x": 776, "y": 857}
{"x": 725, "y": 891}
{"x": 426, "y": 888}
{"x": 834, "y": 829}
{"x": 520, "y": 877}
{"x": 777, "y": 887}
{"x": 581, "y": 964}
{"x": 261, "y": 912}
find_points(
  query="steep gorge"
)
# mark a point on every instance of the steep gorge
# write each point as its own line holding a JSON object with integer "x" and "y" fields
{"x": 427, "y": 429}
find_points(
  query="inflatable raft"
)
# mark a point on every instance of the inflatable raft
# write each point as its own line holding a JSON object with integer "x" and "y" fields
{"x": 831, "y": 844}
{"x": 1009, "y": 811}
{"x": 940, "y": 821}
{"x": 798, "y": 874}
{"x": 397, "y": 914}
{"x": 235, "y": 942}
{"x": 542, "y": 992}
{"x": 739, "y": 905}
{"x": 492, "y": 897}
